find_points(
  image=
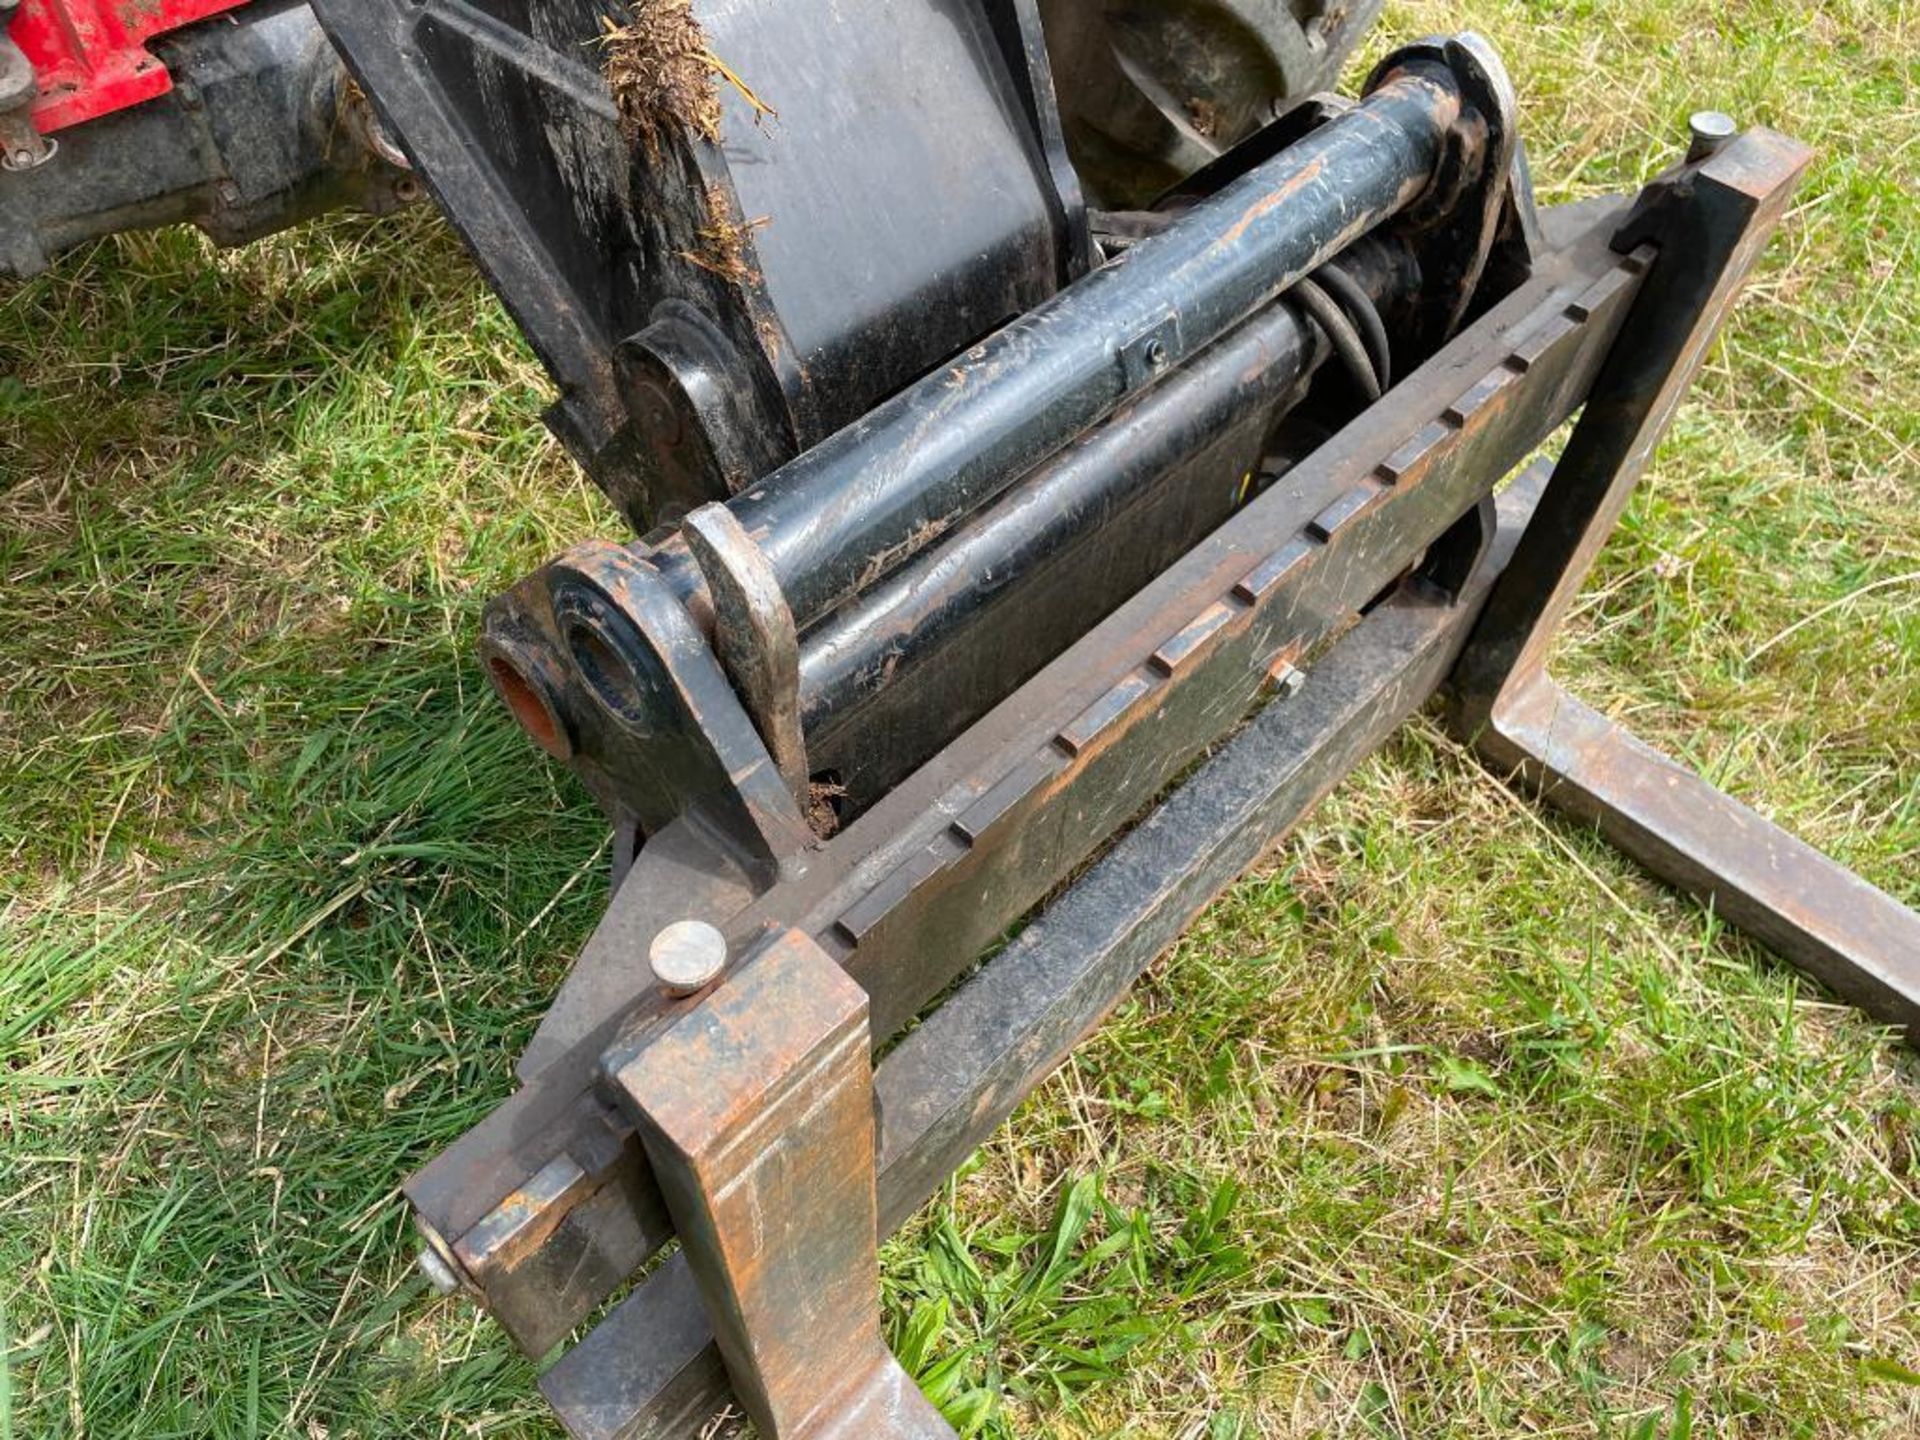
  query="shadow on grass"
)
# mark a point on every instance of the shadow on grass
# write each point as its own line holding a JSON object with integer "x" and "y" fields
{"x": 283, "y": 880}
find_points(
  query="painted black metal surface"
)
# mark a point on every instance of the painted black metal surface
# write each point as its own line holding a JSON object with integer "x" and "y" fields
{"x": 842, "y": 518}
{"x": 708, "y": 307}
{"x": 1152, "y": 92}
{"x": 847, "y": 512}
{"x": 890, "y": 678}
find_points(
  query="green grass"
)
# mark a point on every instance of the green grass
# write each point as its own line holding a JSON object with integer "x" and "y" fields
{"x": 1447, "y": 1121}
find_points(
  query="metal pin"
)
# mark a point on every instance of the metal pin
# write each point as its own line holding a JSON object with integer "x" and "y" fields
{"x": 439, "y": 1274}
{"x": 1710, "y": 132}
{"x": 687, "y": 957}
{"x": 1284, "y": 679}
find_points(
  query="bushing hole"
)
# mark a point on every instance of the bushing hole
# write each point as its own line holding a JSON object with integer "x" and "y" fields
{"x": 529, "y": 707}
{"x": 607, "y": 671}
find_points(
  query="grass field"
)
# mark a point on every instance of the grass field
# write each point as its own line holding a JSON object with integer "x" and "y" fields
{"x": 1446, "y": 1122}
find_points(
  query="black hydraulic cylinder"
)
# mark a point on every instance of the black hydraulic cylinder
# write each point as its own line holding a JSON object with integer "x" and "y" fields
{"x": 894, "y": 674}
{"x": 879, "y": 638}
{"x": 853, "y": 508}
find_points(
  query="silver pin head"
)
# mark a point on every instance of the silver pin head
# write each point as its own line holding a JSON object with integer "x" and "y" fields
{"x": 439, "y": 1274}
{"x": 687, "y": 957}
{"x": 1708, "y": 133}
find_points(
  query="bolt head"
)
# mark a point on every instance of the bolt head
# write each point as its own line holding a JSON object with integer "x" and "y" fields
{"x": 687, "y": 957}
{"x": 26, "y": 153}
{"x": 1285, "y": 679}
{"x": 1709, "y": 132}
{"x": 439, "y": 1274}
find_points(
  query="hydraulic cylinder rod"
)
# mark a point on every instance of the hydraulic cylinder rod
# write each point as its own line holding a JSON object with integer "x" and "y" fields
{"x": 855, "y": 507}
{"x": 1070, "y": 494}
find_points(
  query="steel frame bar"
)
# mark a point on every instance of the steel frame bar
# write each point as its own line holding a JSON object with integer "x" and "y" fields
{"x": 918, "y": 886}
{"x": 1818, "y": 915}
{"x": 1709, "y": 221}
{"x": 756, "y": 1106}
{"x": 652, "y": 1367}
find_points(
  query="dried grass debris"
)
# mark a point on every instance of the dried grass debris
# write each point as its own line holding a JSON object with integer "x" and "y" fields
{"x": 662, "y": 74}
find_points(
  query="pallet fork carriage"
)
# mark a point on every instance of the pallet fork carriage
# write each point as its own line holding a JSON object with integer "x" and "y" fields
{"x": 1058, "y": 622}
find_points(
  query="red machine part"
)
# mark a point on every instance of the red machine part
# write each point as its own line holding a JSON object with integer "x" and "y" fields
{"x": 90, "y": 58}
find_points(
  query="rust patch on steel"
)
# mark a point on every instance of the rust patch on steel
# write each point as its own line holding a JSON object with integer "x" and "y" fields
{"x": 1273, "y": 200}
{"x": 521, "y": 1223}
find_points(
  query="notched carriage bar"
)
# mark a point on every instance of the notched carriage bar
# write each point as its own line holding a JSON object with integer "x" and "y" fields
{"x": 950, "y": 601}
